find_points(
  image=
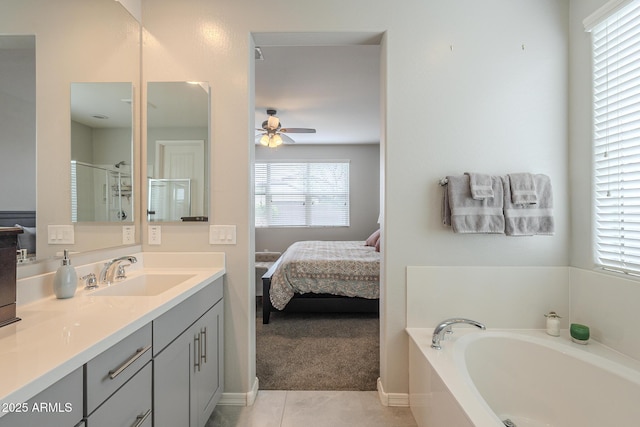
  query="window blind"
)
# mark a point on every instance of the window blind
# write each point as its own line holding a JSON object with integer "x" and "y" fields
{"x": 616, "y": 119}
{"x": 302, "y": 194}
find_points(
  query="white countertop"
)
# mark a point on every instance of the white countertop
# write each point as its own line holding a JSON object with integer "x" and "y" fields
{"x": 56, "y": 336}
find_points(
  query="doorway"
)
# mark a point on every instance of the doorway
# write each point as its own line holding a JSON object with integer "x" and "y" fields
{"x": 302, "y": 99}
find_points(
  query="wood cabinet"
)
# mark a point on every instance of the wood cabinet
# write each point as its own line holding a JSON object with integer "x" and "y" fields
{"x": 188, "y": 372}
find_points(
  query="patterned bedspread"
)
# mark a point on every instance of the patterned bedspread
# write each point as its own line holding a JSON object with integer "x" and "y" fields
{"x": 345, "y": 268}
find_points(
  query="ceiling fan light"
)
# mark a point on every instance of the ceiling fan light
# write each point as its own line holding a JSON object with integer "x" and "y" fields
{"x": 264, "y": 140}
{"x": 276, "y": 140}
{"x": 273, "y": 122}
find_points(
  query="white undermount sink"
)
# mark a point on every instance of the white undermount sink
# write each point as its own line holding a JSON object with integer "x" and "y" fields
{"x": 146, "y": 285}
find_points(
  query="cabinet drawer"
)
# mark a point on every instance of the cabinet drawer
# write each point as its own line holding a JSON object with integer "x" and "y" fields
{"x": 108, "y": 371}
{"x": 168, "y": 326}
{"x": 130, "y": 406}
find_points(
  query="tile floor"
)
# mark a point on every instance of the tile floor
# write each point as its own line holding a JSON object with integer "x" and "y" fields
{"x": 313, "y": 409}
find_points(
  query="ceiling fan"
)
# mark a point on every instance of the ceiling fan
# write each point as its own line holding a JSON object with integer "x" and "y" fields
{"x": 272, "y": 134}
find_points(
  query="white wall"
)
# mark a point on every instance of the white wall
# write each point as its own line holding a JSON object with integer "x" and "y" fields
{"x": 459, "y": 94}
{"x": 364, "y": 194}
{"x": 580, "y": 134}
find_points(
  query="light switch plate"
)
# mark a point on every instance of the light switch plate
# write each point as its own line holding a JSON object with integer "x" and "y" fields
{"x": 155, "y": 235}
{"x": 222, "y": 234}
{"x": 60, "y": 235}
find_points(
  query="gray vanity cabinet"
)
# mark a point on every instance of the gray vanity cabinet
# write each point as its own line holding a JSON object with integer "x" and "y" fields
{"x": 129, "y": 406}
{"x": 58, "y": 406}
{"x": 188, "y": 360}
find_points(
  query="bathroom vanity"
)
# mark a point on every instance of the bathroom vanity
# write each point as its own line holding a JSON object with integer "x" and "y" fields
{"x": 127, "y": 354}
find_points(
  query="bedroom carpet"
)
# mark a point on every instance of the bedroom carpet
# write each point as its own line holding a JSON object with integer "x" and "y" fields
{"x": 318, "y": 351}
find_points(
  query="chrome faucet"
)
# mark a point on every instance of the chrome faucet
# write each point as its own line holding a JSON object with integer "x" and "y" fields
{"x": 445, "y": 327}
{"x": 106, "y": 275}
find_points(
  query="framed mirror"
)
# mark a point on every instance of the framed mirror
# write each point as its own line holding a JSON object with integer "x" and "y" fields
{"x": 102, "y": 187}
{"x": 178, "y": 151}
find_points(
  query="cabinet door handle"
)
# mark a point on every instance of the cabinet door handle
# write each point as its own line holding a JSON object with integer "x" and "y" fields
{"x": 197, "y": 351}
{"x": 203, "y": 335}
{"x": 140, "y": 419}
{"x": 139, "y": 352}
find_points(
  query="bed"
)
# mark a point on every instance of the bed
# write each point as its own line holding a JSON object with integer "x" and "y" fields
{"x": 323, "y": 276}
{"x": 26, "y": 220}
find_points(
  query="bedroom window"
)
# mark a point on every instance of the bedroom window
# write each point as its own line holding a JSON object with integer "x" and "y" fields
{"x": 615, "y": 33}
{"x": 302, "y": 194}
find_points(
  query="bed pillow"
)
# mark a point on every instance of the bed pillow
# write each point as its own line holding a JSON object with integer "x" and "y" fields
{"x": 378, "y": 245}
{"x": 373, "y": 239}
{"x": 27, "y": 240}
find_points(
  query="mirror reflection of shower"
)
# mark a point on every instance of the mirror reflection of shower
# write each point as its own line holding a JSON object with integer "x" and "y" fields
{"x": 102, "y": 152}
{"x": 100, "y": 192}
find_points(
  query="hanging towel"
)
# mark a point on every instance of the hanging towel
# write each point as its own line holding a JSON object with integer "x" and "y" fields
{"x": 529, "y": 220}
{"x": 446, "y": 209}
{"x": 467, "y": 215}
{"x": 523, "y": 189}
{"x": 481, "y": 185}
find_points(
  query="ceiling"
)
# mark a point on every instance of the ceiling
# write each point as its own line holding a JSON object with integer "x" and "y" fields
{"x": 334, "y": 89}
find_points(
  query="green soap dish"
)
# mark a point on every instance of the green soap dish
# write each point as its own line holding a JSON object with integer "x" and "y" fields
{"x": 579, "y": 333}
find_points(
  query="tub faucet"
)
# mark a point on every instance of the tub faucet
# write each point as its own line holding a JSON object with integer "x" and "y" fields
{"x": 445, "y": 326}
{"x": 106, "y": 275}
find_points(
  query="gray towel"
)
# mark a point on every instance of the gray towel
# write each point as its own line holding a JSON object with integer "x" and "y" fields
{"x": 473, "y": 216}
{"x": 523, "y": 189}
{"x": 529, "y": 220}
{"x": 481, "y": 185}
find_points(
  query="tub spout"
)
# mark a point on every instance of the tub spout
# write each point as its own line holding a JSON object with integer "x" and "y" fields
{"x": 445, "y": 326}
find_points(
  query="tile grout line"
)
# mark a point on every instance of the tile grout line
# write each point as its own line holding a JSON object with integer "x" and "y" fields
{"x": 286, "y": 397}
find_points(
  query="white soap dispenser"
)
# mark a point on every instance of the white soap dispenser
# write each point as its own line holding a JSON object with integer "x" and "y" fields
{"x": 553, "y": 324}
{"x": 65, "y": 280}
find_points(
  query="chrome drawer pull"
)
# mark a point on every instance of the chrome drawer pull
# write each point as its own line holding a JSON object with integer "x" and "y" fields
{"x": 203, "y": 335}
{"x": 196, "y": 354}
{"x": 140, "y": 419}
{"x": 113, "y": 374}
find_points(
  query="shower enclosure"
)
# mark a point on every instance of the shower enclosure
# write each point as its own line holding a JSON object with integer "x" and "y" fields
{"x": 101, "y": 192}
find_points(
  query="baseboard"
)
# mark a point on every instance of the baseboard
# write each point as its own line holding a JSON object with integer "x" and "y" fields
{"x": 240, "y": 399}
{"x": 392, "y": 399}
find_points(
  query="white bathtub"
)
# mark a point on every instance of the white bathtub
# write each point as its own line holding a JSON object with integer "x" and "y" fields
{"x": 481, "y": 378}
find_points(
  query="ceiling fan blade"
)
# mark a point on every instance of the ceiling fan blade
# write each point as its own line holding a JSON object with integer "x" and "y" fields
{"x": 298, "y": 130}
{"x": 287, "y": 139}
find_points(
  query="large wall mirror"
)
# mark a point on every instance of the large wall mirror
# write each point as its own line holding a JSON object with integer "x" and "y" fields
{"x": 102, "y": 187}
{"x": 177, "y": 151}
{"x": 18, "y": 138}
{"x": 35, "y": 81}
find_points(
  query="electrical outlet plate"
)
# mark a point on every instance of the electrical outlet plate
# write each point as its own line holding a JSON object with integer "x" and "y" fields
{"x": 222, "y": 234}
{"x": 128, "y": 234}
{"x": 155, "y": 235}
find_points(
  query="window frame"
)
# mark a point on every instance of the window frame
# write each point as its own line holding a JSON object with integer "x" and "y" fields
{"x": 615, "y": 220}
{"x": 309, "y": 197}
